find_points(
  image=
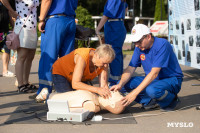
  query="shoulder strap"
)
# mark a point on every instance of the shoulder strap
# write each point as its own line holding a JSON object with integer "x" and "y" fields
{"x": 25, "y": 21}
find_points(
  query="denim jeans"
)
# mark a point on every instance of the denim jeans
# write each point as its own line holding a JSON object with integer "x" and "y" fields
{"x": 61, "y": 84}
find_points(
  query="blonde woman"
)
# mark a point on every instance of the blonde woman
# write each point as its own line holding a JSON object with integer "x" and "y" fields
{"x": 71, "y": 71}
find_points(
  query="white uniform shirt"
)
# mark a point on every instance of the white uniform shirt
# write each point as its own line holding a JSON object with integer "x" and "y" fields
{"x": 25, "y": 8}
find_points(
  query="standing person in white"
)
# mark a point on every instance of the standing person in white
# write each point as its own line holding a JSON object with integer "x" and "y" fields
{"x": 26, "y": 21}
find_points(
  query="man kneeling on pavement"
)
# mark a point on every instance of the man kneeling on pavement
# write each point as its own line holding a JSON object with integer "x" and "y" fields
{"x": 163, "y": 75}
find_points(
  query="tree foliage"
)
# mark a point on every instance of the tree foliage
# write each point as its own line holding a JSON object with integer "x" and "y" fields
{"x": 160, "y": 15}
{"x": 95, "y": 7}
{"x": 147, "y": 5}
{"x": 84, "y": 17}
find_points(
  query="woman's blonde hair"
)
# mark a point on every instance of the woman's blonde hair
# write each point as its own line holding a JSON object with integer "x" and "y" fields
{"x": 105, "y": 51}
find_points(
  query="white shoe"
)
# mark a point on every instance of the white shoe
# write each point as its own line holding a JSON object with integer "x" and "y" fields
{"x": 42, "y": 96}
{"x": 9, "y": 74}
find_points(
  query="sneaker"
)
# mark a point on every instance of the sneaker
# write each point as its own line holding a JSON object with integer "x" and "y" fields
{"x": 172, "y": 106}
{"x": 42, "y": 96}
{"x": 151, "y": 105}
{"x": 9, "y": 74}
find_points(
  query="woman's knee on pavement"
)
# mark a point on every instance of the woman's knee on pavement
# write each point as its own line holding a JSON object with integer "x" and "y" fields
{"x": 61, "y": 88}
{"x": 61, "y": 84}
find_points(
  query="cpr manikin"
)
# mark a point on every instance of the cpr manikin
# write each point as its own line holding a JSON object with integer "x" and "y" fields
{"x": 90, "y": 101}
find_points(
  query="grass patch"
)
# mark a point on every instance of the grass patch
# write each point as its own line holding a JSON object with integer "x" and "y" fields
{"x": 127, "y": 52}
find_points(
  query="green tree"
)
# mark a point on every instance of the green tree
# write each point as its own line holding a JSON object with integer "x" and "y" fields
{"x": 148, "y": 8}
{"x": 95, "y": 7}
{"x": 84, "y": 17}
{"x": 160, "y": 14}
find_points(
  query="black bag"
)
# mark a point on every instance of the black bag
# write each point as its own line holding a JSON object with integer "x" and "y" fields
{"x": 4, "y": 18}
{"x": 2, "y": 40}
{"x": 83, "y": 33}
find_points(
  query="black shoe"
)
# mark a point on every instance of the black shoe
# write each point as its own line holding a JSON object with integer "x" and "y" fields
{"x": 33, "y": 96}
{"x": 172, "y": 106}
{"x": 24, "y": 89}
{"x": 198, "y": 108}
{"x": 151, "y": 105}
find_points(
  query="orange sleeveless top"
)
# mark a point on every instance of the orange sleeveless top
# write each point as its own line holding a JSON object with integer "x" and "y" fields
{"x": 65, "y": 65}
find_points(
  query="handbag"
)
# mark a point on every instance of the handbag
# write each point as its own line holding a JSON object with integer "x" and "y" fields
{"x": 12, "y": 39}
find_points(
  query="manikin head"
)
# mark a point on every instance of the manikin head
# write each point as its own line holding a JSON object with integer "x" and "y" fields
{"x": 113, "y": 104}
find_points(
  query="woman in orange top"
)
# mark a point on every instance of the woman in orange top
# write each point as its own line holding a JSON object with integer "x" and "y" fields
{"x": 83, "y": 64}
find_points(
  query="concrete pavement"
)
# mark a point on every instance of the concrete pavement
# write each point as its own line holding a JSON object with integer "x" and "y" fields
{"x": 184, "y": 121}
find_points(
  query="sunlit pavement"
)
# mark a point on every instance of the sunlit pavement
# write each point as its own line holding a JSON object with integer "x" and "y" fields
{"x": 183, "y": 121}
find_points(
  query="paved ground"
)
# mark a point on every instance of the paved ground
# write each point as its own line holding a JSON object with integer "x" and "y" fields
{"x": 187, "y": 120}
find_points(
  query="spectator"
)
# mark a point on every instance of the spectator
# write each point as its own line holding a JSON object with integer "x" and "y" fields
{"x": 4, "y": 29}
{"x": 26, "y": 22}
{"x": 57, "y": 24}
{"x": 115, "y": 33}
